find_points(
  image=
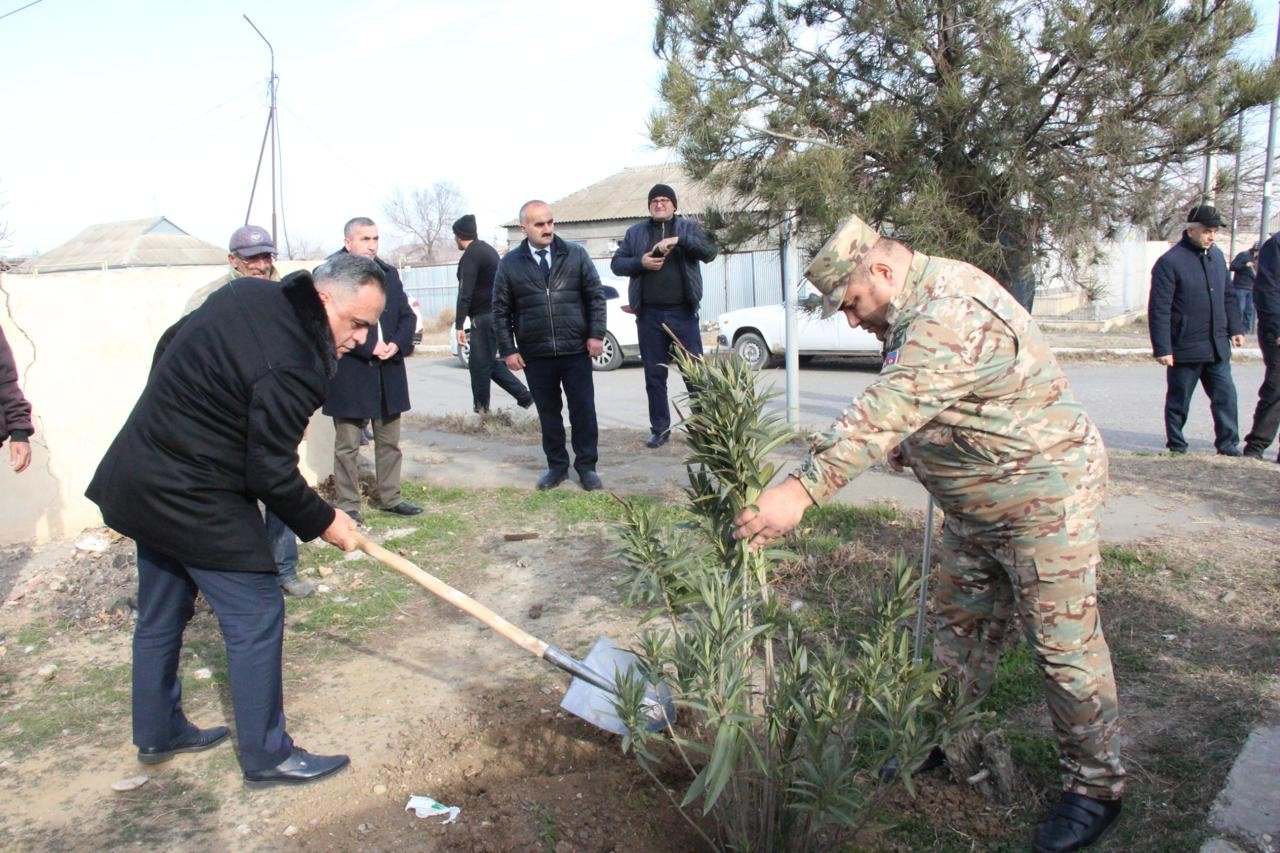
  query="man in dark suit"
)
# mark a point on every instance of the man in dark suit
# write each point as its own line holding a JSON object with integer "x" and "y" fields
{"x": 549, "y": 315}
{"x": 215, "y": 431}
{"x": 476, "y": 269}
{"x": 1194, "y": 322}
{"x": 371, "y": 385}
{"x": 1266, "y": 416}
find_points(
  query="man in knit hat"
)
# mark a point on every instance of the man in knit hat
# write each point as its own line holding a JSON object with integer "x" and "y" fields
{"x": 476, "y": 268}
{"x": 661, "y": 256}
{"x": 972, "y": 399}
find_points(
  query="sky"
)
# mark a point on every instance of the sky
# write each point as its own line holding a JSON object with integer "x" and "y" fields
{"x": 137, "y": 108}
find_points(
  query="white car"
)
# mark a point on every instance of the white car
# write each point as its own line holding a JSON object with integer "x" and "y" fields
{"x": 759, "y": 335}
{"x": 621, "y": 339}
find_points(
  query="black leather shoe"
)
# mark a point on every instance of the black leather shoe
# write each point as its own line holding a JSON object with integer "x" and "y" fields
{"x": 1076, "y": 822}
{"x": 198, "y": 742}
{"x": 1249, "y": 453}
{"x": 1230, "y": 451}
{"x": 404, "y": 508}
{"x": 590, "y": 481}
{"x": 551, "y": 479}
{"x": 658, "y": 439}
{"x": 299, "y": 768}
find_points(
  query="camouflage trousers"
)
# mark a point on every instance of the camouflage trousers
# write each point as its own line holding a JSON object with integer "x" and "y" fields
{"x": 985, "y": 578}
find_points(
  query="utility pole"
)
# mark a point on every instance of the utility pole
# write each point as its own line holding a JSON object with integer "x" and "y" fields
{"x": 1235, "y": 194}
{"x": 267, "y": 135}
{"x": 790, "y": 308}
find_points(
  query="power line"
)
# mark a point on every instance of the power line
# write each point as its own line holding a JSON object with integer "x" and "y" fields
{"x": 19, "y": 9}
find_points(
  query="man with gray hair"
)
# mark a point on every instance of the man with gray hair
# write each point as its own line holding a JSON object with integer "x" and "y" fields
{"x": 372, "y": 385}
{"x": 215, "y": 431}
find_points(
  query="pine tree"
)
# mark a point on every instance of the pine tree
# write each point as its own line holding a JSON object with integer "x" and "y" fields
{"x": 982, "y": 130}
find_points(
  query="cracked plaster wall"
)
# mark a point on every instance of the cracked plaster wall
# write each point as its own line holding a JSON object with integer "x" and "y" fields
{"x": 83, "y": 342}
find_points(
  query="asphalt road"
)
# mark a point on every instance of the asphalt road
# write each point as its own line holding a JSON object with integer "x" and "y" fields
{"x": 1126, "y": 400}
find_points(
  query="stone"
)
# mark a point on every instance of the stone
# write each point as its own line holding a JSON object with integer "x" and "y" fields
{"x": 1228, "y": 596}
{"x": 47, "y": 671}
{"x": 244, "y": 829}
{"x": 130, "y": 784}
{"x": 326, "y": 571}
{"x": 379, "y": 789}
{"x": 203, "y": 674}
{"x": 93, "y": 543}
{"x": 291, "y": 830}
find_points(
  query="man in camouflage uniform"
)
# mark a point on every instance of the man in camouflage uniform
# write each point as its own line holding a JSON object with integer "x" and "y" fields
{"x": 971, "y": 397}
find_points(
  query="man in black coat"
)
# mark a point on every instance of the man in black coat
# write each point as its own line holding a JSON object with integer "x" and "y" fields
{"x": 215, "y": 431}
{"x": 1244, "y": 272}
{"x": 549, "y": 315}
{"x": 476, "y": 268}
{"x": 661, "y": 255}
{"x": 1266, "y": 417}
{"x": 1194, "y": 322}
{"x": 371, "y": 385}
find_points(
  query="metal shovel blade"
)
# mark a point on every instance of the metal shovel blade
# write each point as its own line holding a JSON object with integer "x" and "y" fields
{"x": 595, "y": 702}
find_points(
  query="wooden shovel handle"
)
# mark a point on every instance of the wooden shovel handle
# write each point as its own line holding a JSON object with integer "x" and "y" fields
{"x": 460, "y": 600}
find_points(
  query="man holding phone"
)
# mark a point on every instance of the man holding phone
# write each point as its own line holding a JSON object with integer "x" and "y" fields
{"x": 661, "y": 256}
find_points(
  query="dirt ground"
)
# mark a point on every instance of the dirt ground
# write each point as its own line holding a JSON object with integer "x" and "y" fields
{"x": 427, "y": 703}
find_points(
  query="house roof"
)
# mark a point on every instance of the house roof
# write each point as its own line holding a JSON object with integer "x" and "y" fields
{"x": 624, "y": 195}
{"x": 154, "y": 242}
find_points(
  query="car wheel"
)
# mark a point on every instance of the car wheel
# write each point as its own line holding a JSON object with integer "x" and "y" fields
{"x": 610, "y": 358}
{"x": 751, "y": 348}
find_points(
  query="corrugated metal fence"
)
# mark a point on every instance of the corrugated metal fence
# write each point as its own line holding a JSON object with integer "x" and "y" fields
{"x": 738, "y": 280}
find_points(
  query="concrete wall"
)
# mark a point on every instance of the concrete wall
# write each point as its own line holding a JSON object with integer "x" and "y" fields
{"x": 83, "y": 342}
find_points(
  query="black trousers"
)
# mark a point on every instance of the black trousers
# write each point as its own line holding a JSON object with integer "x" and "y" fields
{"x": 655, "y": 353}
{"x": 250, "y": 609}
{"x": 1215, "y": 376}
{"x": 486, "y": 367}
{"x": 573, "y": 373}
{"x": 1266, "y": 417}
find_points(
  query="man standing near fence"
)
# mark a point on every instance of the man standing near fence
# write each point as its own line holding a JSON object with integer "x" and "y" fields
{"x": 371, "y": 384}
{"x": 476, "y": 269}
{"x": 661, "y": 256}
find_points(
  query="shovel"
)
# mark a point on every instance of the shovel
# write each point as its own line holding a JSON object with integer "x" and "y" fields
{"x": 594, "y": 686}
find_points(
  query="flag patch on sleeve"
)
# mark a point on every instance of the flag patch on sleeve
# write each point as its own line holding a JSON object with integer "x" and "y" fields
{"x": 890, "y": 358}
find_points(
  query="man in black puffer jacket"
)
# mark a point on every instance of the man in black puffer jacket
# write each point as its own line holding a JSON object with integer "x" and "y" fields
{"x": 549, "y": 317}
{"x": 1194, "y": 322}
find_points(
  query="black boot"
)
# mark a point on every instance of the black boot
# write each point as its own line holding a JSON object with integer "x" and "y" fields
{"x": 1076, "y": 822}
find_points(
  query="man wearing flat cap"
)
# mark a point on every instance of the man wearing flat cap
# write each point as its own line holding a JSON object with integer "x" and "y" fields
{"x": 1194, "y": 321}
{"x": 661, "y": 257}
{"x": 971, "y": 398}
{"x": 251, "y": 253}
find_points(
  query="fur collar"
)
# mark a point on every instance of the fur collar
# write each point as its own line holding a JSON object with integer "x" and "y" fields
{"x": 300, "y": 290}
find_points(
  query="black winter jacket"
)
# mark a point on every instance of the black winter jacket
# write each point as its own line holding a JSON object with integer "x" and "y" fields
{"x": 1191, "y": 312}
{"x": 1266, "y": 290}
{"x": 368, "y": 387}
{"x": 1243, "y": 275}
{"x": 694, "y": 247}
{"x": 217, "y": 429}
{"x": 15, "y": 411}
{"x": 476, "y": 269}
{"x": 540, "y": 319}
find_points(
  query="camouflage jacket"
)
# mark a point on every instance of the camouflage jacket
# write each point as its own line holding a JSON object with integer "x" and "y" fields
{"x": 973, "y": 393}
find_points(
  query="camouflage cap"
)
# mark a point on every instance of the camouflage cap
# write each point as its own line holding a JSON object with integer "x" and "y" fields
{"x": 830, "y": 268}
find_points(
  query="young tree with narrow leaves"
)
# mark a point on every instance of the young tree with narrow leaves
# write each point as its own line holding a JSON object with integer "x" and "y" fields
{"x": 981, "y": 130}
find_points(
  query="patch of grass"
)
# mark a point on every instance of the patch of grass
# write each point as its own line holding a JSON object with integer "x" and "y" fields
{"x": 1132, "y": 562}
{"x": 35, "y": 634}
{"x": 566, "y": 506}
{"x": 828, "y": 527}
{"x": 362, "y": 609}
{"x": 70, "y": 707}
{"x": 548, "y": 831}
{"x": 1036, "y": 755}
{"x": 1018, "y": 681}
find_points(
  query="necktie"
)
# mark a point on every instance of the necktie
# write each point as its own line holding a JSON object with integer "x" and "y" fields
{"x": 543, "y": 265}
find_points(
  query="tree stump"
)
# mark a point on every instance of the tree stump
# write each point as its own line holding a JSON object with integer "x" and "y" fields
{"x": 982, "y": 759}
